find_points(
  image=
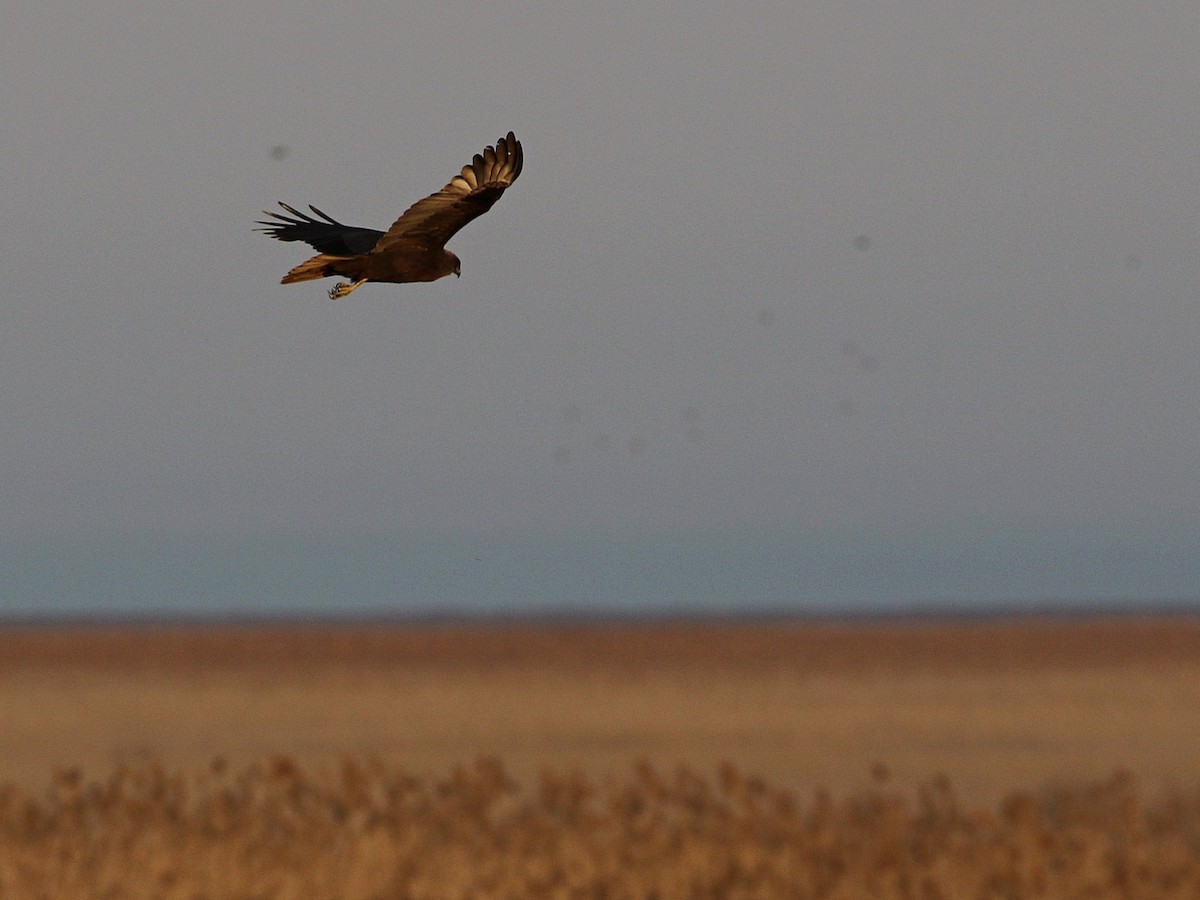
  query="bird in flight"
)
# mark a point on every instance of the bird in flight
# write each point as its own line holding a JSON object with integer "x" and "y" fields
{"x": 414, "y": 248}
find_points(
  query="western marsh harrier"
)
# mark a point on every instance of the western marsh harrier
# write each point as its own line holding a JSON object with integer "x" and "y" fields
{"x": 414, "y": 248}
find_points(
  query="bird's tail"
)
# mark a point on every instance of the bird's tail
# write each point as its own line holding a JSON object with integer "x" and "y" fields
{"x": 310, "y": 270}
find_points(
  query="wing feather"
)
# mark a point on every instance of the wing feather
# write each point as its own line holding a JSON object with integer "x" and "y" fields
{"x": 430, "y": 222}
{"x": 328, "y": 236}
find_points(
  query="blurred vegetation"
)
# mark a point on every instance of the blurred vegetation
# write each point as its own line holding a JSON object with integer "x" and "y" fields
{"x": 371, "y": 831}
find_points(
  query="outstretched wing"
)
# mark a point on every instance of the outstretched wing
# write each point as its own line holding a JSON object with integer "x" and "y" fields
{"x": 329, "y": 236}
{"x": 429, "y": 223}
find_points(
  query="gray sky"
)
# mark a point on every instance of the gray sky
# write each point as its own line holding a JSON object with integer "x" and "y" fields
{"x": 823, "y": 265}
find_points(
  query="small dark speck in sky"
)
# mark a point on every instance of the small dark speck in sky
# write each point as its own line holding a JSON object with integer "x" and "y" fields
{"x": 279, "y": 151}
{"x": 862, "y": 242}
{"x": 766, "y": 317}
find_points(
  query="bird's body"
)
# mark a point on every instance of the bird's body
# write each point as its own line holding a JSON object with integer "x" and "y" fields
{"x": 371, "y": 266}
{"x": 413, "y": 249}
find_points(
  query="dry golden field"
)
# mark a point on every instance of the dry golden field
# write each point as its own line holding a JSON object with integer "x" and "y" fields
{"x": 1050, "y": 758}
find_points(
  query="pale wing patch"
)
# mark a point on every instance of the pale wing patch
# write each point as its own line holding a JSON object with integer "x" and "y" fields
{"x": 433, "y": 220}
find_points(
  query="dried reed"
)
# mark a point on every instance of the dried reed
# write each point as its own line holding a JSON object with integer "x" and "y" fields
{"x": 371, "y": 831}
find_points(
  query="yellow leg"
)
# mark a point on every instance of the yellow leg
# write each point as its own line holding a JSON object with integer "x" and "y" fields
{"x": 341, "y": 289}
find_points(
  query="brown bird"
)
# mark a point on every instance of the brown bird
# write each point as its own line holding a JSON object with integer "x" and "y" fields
{"x": 414, "y": 248}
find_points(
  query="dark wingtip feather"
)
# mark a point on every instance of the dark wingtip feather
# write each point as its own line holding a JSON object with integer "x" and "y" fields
{"x": 328, "y": 218}
{"x": 516, "y": 154}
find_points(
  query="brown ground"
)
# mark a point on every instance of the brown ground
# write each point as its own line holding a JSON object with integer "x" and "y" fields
{"x": 995, "y": 706}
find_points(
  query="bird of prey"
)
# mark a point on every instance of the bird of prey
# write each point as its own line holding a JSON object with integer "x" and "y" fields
{"x": 413, "y": 249}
